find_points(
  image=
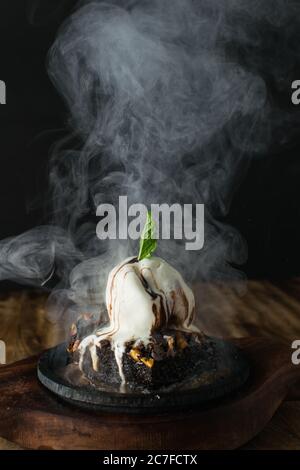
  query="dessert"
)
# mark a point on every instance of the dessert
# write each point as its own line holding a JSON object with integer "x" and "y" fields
{"x": 150, "y": 340}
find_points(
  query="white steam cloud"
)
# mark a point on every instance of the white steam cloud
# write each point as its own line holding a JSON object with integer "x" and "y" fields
{"x": 168, "y": 103}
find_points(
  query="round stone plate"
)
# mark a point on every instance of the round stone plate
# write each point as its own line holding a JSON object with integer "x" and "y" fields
{"x": 222, "y": 371}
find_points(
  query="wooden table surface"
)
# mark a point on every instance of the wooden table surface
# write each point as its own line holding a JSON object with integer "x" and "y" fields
{"x": 260, "y": 308}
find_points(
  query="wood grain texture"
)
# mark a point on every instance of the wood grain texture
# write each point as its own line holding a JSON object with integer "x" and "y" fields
{"x": 24, "y": 325}
{"x": 270, "y": 309}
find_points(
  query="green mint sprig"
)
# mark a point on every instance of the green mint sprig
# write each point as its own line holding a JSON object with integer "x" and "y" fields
{"x": 148, "y": 243}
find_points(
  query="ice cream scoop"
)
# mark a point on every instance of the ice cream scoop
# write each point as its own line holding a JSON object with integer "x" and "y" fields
{"x": 141, "y": 298}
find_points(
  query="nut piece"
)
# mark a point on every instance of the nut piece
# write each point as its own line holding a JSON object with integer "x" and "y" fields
{"x": 180, "y": 341}
{"x": 170, "y": 342}
{"x": 73, "y": 346}
{"x": 73, "y": 330}
{"x": 148, "y": 361}
{"x": 135, "y": 354}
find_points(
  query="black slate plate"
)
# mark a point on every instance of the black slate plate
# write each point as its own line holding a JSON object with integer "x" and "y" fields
{"x": 229, "y": 372}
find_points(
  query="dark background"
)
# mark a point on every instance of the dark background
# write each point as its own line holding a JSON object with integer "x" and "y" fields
{"x": 265, "y": 208}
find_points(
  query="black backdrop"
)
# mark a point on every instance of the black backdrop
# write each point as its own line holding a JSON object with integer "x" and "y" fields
{"x": 265, "y": 208}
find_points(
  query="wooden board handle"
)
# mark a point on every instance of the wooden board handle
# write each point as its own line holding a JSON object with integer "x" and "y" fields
{"x": 34, "y": 418}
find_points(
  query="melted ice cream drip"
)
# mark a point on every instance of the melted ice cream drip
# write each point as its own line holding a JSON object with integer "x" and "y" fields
{"x": 141, "y": 297}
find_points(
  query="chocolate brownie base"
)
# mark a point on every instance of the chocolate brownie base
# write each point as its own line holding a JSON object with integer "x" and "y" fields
{"x": 171, "y": 357}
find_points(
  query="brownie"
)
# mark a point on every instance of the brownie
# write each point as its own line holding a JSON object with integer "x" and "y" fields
{"x": 170, "y": 357}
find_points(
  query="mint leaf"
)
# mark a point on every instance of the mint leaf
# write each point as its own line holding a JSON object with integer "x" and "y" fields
{"x": 148, "y": 243}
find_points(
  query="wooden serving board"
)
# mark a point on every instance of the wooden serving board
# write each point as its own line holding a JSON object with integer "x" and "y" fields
{"x": 33, "y": 418}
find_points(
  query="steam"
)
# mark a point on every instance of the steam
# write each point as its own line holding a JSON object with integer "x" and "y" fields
{"x": 168, "y": 104}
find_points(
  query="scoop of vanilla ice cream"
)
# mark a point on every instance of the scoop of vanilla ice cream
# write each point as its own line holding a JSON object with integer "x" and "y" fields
{"x": 142, "y": 296}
